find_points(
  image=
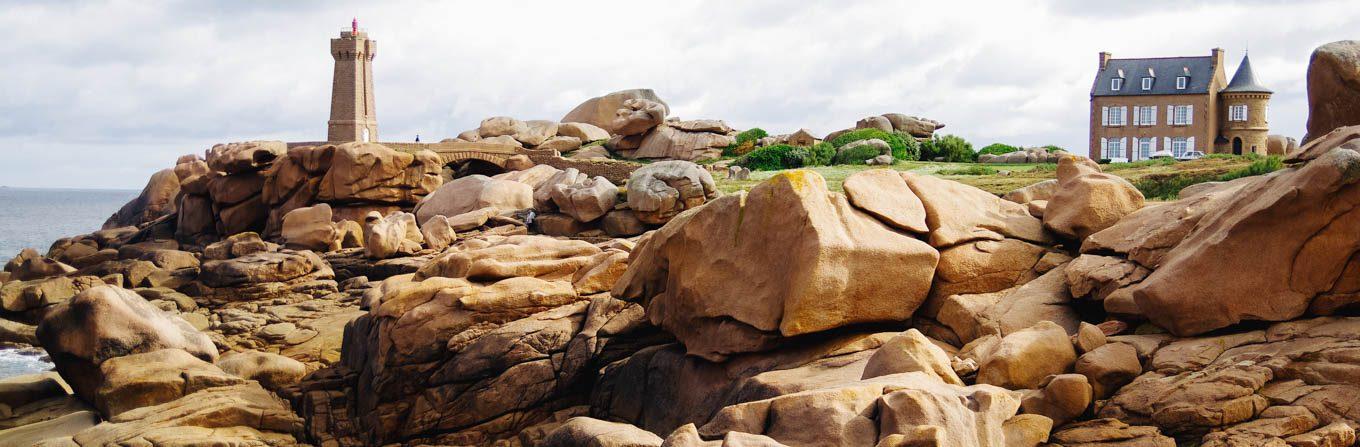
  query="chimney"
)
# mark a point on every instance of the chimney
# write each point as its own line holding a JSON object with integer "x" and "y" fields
{"x": 1104, "y": 59}
{"x": 1217, "y": 54}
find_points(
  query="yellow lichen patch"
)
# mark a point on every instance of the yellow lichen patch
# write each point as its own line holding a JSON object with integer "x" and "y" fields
{"x": 801, "y": 179}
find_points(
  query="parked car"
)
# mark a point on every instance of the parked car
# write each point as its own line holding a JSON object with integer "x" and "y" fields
{"x": 1162, "y": 154}
{"x": 1191, "y": 155}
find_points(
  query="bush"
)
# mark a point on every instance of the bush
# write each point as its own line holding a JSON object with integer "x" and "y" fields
{"x": 904, "y": 147}
{"x": 1054, "y": 148}
{"x": 855, "y": 155}
{"x": 1168, "y": 187}
{"x": 948, "y": 148}
{"x": 997, "y": 149}
{"x": 821, "y": 154}
{"x": 971, "y": 170}
{"x": 774, "y": 158}
{"x": 746, "y": 141}
{"x": 1260, "y": 166}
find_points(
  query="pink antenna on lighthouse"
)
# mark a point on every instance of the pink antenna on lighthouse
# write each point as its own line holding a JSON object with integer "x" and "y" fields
{"x": 354, "y": 26}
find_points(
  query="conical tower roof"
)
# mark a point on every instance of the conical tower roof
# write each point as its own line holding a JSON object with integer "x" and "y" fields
{"x": 1244, "y": 81}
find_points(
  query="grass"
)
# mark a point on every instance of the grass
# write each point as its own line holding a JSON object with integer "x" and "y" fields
{"x": 1157, "y": 179}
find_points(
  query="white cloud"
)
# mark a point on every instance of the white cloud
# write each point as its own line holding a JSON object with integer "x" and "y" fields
{"x": 103, "y": 94}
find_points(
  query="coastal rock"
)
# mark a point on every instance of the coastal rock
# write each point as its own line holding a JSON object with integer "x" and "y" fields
{"x": 1039, "y": 191}
{"x": 585, "y": 201}
{"x": 622, "y": 223}
{"x": 914, "y": 126}
{"x": 249, "y": 156}
{"x": 472, "y": 193}
{"x": 536, "y": 132}
{"x": 601, "y": 111}
{"x": 673, "y": 143}
{"x": 310, "y": 228}
{"x": 273, "y": 371}
{"x": 875, "y": 122}
{"x": 590, "y": 432}
{"x": 659, "y": 191}
{"x": 153, "y": 378}
{"x": 1087, "y": 200}
{"x": 911, "y": 352}
{"x": 497, "y": 126}
{"x": 584, "y": 132}
{"x": 1194, "y": 245}
{"x": 791, "y": 222}
{"x": 560, "y": 144}
{"x": 395, "y": 234}
{"x": 1024, "y": 358}
{"x": 438, "y": 233}
{"x": 108, "y": 322}
{"x": 157, "y": 199}
{"x": 637, "y": 116}
{"x": 1333, "y": 88}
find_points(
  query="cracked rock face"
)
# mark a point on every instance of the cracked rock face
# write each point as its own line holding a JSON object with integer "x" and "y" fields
{"x": 1205, "y": 252}
{"x": 767, "y": 249}
{"x": 1285, "y": 382}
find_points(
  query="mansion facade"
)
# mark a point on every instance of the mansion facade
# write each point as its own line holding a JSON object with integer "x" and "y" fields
{"x": 1140, "y": 107}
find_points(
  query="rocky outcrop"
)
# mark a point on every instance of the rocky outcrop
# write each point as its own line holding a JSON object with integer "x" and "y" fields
{"x": 672, "y": 141}
{"x": 488, "y": 338}
{"x": 472, "y": 193}
{"x": 1198, "y": 249}
{"x": 767, "y": 249}
{"x": 157, "y": 199}
{"x": 660, "y": 191}
{"x": 108, "y": 322}
{"x": 601, "y": 111}
{"x": 1333, "y": 88}
{"x": 1087, "y": 200}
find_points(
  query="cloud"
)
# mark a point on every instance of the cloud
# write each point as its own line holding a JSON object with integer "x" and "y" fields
{"x": 102, "y": 94}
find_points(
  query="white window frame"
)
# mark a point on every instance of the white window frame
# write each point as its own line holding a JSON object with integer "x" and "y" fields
{"x": 1180, "y": 115}
{"x": 1182, "y": 82}
{"x": 1115, "y": 117}
{"x": 1145, "y": 115}
{"x": 1116, "y": 84}
{"x": 1147, "y": 83}
{"x": 1146, "y": 146}
{"x": 1112, "y": 149}
{"x": 1179, "y": 146}
{"x": 1237, "y": 112}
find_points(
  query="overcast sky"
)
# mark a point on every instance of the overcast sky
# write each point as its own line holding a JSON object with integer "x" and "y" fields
{"x": 102, "y": 94}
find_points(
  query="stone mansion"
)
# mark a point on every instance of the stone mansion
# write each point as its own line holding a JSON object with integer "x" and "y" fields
{"x": 1176, "y": 104}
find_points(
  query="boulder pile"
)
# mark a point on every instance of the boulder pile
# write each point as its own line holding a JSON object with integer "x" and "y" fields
{"x": 545, "y": 307}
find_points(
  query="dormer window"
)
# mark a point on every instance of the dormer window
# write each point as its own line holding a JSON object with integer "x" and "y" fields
{"x": 1147, "y": 83}
{"x": 1181, "y": 82}
{"x": 1116, "y": 84}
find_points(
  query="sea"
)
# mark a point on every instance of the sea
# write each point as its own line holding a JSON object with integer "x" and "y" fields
{"x": 35, "y": 218}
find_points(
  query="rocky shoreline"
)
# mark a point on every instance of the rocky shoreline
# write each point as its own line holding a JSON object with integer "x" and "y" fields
{"x": 348, "y": 295}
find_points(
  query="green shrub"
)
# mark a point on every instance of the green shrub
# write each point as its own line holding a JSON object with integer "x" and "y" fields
{"x": 1260, "y": 166}
{"x": 821, "y": 154}
{"x": 777, "y": 157}
{"x": 971, "y": 170}
{"x": 904, "y": 147}
{"x": 855, "y": 155}
{"x": 746, "y": 142}
{"x": 1054, "y": 148}
{"x": 1168, "y": 187}
{"x": 594, "y": 143}
{"x": 948, "y": 148}
{"x": 997, "y": 149}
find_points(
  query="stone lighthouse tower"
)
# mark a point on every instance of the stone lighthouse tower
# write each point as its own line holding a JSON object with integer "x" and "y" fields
{"x": 352, "y": 114}
{"x": 1244, "y": 103}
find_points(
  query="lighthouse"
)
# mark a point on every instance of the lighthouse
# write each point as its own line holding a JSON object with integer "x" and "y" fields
{"x": 353, "y": 117}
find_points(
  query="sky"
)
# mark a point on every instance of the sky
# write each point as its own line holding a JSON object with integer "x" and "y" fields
{"x": 102, "y": 94}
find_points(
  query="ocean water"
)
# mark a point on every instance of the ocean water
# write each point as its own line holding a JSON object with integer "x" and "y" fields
{"x": 37, "y": 217}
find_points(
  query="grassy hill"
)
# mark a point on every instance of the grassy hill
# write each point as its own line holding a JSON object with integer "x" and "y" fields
{"x": 1158, "y": 179}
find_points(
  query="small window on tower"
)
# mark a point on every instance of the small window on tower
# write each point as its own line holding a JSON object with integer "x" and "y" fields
{"x": 1181, "y": 82}
{"x": 1147, "y": 83}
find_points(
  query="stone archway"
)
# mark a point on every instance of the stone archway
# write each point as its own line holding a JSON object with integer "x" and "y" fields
{"x": 465, "y": 163}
